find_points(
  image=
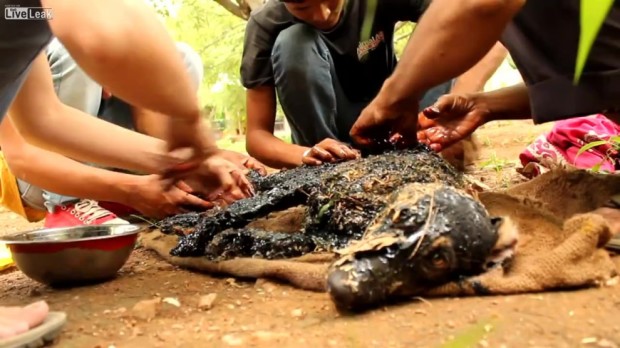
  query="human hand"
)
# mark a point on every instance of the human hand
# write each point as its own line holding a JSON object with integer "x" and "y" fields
{"x": 148, "y": 196}
{"x": 451, "y": 119}
{"x": 328, "y": 150}
{"x": 246, "y": 163}
{"x": 219, "y": 180}
{"x": 188, "y": 146}
{"x": 381, "y": 125}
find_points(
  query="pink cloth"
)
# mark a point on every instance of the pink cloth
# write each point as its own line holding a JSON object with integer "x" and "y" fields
{"x": 561, "y": 144}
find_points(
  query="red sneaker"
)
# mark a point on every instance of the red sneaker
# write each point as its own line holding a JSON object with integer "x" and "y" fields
{"x": 118, "y": 209}
{"x": 84, "y": 212}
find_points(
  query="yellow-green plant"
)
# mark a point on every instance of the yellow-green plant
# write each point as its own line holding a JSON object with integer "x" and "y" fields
{"x": 592, "y": 16}
{"x": 611, "y": 154}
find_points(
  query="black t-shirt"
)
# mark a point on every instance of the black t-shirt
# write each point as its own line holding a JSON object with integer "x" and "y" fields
{"x": 543, "y": 41}
{"x": 361, "y": 65}
{"x": 20, "y": 43}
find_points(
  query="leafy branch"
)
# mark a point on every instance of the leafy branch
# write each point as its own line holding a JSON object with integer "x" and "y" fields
{"x": 611, "y": 155}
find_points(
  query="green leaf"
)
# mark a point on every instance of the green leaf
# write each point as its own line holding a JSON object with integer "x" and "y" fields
{"x": 369, "y": 18}
{"x": 597, "y": 167}
{"x": 593, "y": 13}
{"x": 588, "y": 146}
{"x": 324, "y": 209}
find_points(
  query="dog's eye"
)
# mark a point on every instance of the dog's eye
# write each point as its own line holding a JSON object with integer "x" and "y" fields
{"x": 439, "y": 260}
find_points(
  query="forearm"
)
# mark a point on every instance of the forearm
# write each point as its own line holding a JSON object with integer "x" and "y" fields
{"x": 59, "y": 174}
{"x": 141, "y": 66}
{"x": 509, "y": 103}
{"x": 449, "y": 39}
{"x": 108, "y": 144}
{"x": 45, "y": 122}
{"x": 474, "y": 79}
{"x": 272, "y": 151}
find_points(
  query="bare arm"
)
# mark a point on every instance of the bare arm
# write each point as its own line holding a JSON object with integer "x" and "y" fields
{"x": 450, "y": 38}
{"x": 508, "y": 103}
{"x": 149, "y": 122}
{"x": 474, "y": 79}
{"x": 260, "y": 141}
{"x": 123, "y": 46}
{"x": 45, "y": 122}
{"x": 60, "y": 174}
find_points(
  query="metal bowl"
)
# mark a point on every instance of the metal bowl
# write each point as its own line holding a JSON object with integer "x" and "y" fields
{"x": 73, "y": 255}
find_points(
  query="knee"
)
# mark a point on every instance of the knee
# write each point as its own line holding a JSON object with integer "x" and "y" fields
{"x": 297, "y": 48}
{"x": 193, "y": 63}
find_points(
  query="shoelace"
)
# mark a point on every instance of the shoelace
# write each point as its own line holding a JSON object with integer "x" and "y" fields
{"x": 89, "y": 211}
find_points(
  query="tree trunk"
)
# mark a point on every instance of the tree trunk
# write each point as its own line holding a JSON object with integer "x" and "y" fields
{"x": 241, "y": 8}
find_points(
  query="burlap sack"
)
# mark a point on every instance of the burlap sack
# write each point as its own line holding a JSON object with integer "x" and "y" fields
{"x": 561, "y": 245}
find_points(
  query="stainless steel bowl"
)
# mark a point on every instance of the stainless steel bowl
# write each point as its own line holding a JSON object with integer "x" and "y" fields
{"x": 73, "y": 255}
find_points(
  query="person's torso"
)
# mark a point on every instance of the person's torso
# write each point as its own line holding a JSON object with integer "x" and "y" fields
{"x": 363, "y": 58}
{"x": 543, "y": 40}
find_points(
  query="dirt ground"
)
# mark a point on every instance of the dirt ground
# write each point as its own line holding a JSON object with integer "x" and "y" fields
{"x": 264, "y": 314}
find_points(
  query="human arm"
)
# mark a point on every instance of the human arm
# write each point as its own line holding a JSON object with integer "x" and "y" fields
{"x": 261, "y": 142}
{"x": 474, "y": 79}
{"x": 140, "y": 66}
{"x": 46, "y": 122}
{"x": 151, "y": 123}
{"x": 62, "y": 175}
{"x": 57, "y": 173}
{"x": 441, "y": 47}
{"x": 454, "y": 117}
{"x": 276, "y": 153}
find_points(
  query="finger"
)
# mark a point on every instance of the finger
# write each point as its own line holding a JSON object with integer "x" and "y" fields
{"x": 358, "y": 136}
{"x": 220, "y": 203}
{"x": 321, "y": 154}
{"x": 244, "y": 184}
{"x": 255, "y": 164}
{"x": 349, "y": 152}
{"x": 307, "y": 160}
{"x": 232, "y": 196}
{"x": 190, "y": 199}
{"x": 362, "y": 141}
{"x": 184, "y": 186}
{"x": 443, "y": 137}
{"x": 424, "y": 122}
{"x": 226, "y": 182}
{"x": 396, "y": 138}
{"x": 337, "y": 150}
{"x": 442, "y": 105}
{"x": 215, "y": 195}
{"x": 436, "y": 147}
{"x": 422, "y": 138}
{"x": 230, "y": 190}
{"x": 346, "y": 151}
{"x": 406, "y": 131}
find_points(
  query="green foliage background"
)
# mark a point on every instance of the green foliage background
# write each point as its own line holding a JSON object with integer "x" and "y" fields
{"x": 217, "y": 36}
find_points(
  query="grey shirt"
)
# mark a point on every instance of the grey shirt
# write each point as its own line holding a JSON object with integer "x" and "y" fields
{"x": 20, "y": 43}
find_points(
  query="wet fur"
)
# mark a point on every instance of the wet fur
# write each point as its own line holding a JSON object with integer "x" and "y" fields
{"x": 463, "y": 154}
